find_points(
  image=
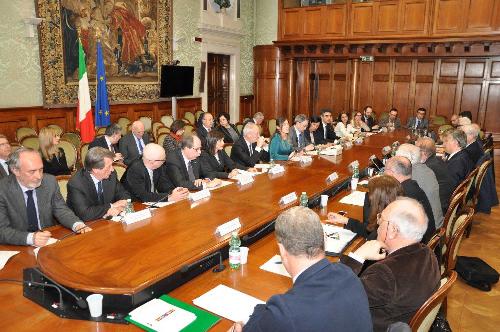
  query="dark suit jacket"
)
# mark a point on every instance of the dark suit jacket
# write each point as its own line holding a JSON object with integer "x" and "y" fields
{"x": 399, "y": 284}
{"x": 325, "y": 297}
{"x": 475, "y": 151}
{"x": 57, "y": 165}
{"x": 227, "y": 136}
{"x": 2, "y": 172}
{"x": 128, "y": 147}
{"x": 82, "y": 195}
{"x": 211, "y": 168}
{"x": 202, "y": 135}
{"x": 13, "y": 215}
{"x": 137, "y": 182}
{"x": 412, "y": 190}
{"x": 459, "y": 166}
{"x": 444, "y": 179}
{"x": 370, "y": 121}
{"x": 178, "y": 173}
{"x": 293, "y": 139}
{"x": 241, "y": 155}
{"x": 319, "y": 134}
{"x": 101, "y": 141}
{"x": 424, "y": 123}
{"x": 360, "y": 227}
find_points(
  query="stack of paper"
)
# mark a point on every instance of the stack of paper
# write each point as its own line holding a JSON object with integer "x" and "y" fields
{"x": 275, "y": 265}
{"x": 158, "y": 204}
{"x": 228, "y": 303}
{"x": 336, "y": 239}
{"x": 5, "y": 256}
{"x": 162, "y": 316}
{"x": 354, "y": 198}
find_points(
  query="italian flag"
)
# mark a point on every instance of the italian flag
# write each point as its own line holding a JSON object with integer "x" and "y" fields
{"x": 84, "y": 120}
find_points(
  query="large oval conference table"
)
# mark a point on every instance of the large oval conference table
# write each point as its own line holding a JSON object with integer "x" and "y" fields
{"x": 135, "y": 260}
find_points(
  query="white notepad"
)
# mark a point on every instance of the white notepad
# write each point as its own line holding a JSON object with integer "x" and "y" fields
{"x": 354, "y": 198}
{"x": 336, "y": 239}
{"x": 162, "y": 316}
{"x": 5, "y": 256}
{"x": 275, "y": 265}
{"x": 228, "y": 303}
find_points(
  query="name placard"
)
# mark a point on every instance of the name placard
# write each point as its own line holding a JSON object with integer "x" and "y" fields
{"x": 332, "y": 177}
{"x": 276, "y": 169}
{"x": 194, "y": 197}
{"x": 244, "y": 179}
{"x": 287, "y": 199}
{"x": 228, "y": 227}
{"x": 134, "y": 217}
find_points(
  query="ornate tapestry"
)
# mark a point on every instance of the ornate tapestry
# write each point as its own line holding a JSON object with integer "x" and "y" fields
{"x": 136, "y": 38}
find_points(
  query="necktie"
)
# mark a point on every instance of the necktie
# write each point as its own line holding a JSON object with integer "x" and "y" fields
{"x": 301, "y": 140}
{"x": 417, "y": 123}
{"x": 324, "y": 131}
{"x": 250, "y": 149}
{"x": 112, "y": 148}
{"x": 139, "y": 144}
{"x": 152, "y": 183}
{"x": 100, "y": 195}
{"x": 190, "y": 172}
{"x": 31, "y": 212}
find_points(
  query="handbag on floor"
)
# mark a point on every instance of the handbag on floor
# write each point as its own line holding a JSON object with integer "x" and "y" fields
{"x": 476, "y": 272}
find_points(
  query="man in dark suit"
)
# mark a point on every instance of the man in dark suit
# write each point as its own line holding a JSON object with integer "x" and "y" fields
{"x": 458, "y": 162}
{"x": 250, "y": 148}
{"x": 419, "y": 121}
{"x": 5, "y": 150}
{"x": 146, "y": 179}
{"x": 368, "y": 118}
{"x": 29, "y": 202}
{"x": 473, "y": 147}
{"x": 406, "y": 273}
{"x": 438, "y": 166}
{"x": 392, "y": 121}
{"x": 94, "y": 191}
{"x": 183, "y": 167}
{"x": 297, "y": 137}
{"x": 325, "y": 132}
{"x": 325, "y": 296}
{"x": 132, "y": 144}
{"x": 109, "y": 140}
{"x": 401, "y": 169}
{"x": 207, "y": 123}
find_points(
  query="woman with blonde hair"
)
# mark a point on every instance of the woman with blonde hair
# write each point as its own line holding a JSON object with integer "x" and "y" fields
{"x": 357, "y": 122}
{"x": 54, "y": 159}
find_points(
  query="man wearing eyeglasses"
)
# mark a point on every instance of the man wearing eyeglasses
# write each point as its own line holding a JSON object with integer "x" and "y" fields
{"x": 183, "y": 167}
{"x": 146, "y": 179}
{"x": 94, "y": 191}
{"x": 406, "y": 273}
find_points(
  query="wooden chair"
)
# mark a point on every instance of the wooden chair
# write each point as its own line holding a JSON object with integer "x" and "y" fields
{"x": 190, "y": 117}
{"x": 70, "y": 152}
{"x": 438, "y": 120}
{"x": 73, "y": 138}
{"x": 147, "y": 122}
{"x": 24, "y": 132}
{"x": 167, "y": 120}
{"x": 228, "y": 148}
{"x": 30, "y": 142}
{"x": 444, "y": 128}
{"x": 62, "y": 181}
{"x": 83, "y": 152}
{"x": 425, "y": 316}
{"x": 453, "y": 242}
{"x": 162, "y": 130}
{"x": 436, "y": 238}
{"x": 14, "y": 146}
{"x": 120, "y": 169}
{"x": 155, "y": 127}
{"x": 188, "y": 129}
{"x": 271, "y": 125}
{"x": 239, "y": 126}
{"x": 481, "y": 172}
{"x": 197, "y": 114}
{"x": 161, "y": 138}
{"x": 100, "y": 131}
{"x": 123, "y": 123}
{"x": 59, "y": 130}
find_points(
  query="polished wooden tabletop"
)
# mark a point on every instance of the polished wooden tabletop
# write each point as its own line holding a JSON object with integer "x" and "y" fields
{"x": 116, "y": 258}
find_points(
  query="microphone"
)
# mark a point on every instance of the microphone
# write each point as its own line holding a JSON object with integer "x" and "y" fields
{"x": 30, "y": 283}
{"x": 79, "y": 301}
{"x": 247, "y": 237}
{"x": 219, "y": 268}
{"x": 154, "y": 205}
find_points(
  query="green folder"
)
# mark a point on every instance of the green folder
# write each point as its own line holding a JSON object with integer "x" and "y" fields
{"x": 203, "y": 322}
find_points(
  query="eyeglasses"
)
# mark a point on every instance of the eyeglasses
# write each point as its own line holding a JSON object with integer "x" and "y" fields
{"x": 157, "y": 160}
{"x": 380, "y": 220}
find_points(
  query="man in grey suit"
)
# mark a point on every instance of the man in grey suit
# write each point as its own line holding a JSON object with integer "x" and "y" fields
{"x": 419, "y": 121}
{"x": 29, "y": 200}
{"x": 132, "y": 144}
{"x": 296, "y": 137}
{"x": 5, "y": 150}
{"x": 392, "y": 121}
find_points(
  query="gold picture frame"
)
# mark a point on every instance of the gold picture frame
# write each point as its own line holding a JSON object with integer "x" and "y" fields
{"x": 60, "y": 88}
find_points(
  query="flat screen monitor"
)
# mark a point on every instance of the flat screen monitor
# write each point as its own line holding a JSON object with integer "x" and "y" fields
{"x": 176, "y": 81}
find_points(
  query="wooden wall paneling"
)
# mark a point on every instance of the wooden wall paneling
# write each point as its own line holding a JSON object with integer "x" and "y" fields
{"x": 401, "y": 87}
{"x": 119, "y": 111}
{"x": 334, "y": 21}
{"x": 448, "y": 16}
{"x": 311, "y": 19}
{"x": 54, "y": 116}
{"x": 387, "y": 16}
{"x": 302, "y": 88}
{"x": 414, "y": 16}
{"x": 447, "y": 87}
{"x": 362, "y": 19}
{"x": 496, "y": 18}
{"x": 365, "y": 85}
{"x": 164, "y": 108}
{"x": 322, "y": 93}
{"x": 424, "y": 78}
{"x": 292, "y": 23}
{"x": 246, "y": 108}
{"x": 341, "y": 85}
{"x": 381, "y": 101}
{"x": 184, "y": 105}
{"x": 266, "y": 82}
{"x": 472, "y": 86}
{"x": 480, "y": 15}
{"x": 285, "y": 88}
{"x": 491, "y": 123}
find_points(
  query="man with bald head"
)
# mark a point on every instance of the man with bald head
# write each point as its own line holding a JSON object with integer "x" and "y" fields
{"x": 146, "y": 178}
{"x": 132, "y": 145}
{"x": 406, "y": 273}
{"x": 401, "y": 169}
{"x": 29, "y": 202}
{"x": 473, "y": 147}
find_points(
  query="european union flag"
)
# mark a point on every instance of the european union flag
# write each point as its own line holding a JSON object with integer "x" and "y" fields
{"x": 102, "y": 116}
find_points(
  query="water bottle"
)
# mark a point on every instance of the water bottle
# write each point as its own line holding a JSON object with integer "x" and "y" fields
{"x": 355, "y": 177}
{"x": 234, "y": 251}
{"x": 304, "y": 200}
{"x": 130, "y": 207}
{"x": 272, "y": 163}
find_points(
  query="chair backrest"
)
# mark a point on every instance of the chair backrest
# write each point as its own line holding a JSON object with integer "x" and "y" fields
{"x": 197, "y": 114}
{"x": 147, "y": 122}
{"x": 83, "y": 152}
{"x": 453, "y": 242}
{"x": 188, "y": 129}
{"x": 228, "y": 149}
{"x": 70, "y": 152}
{"x": 123, "y": 123}
{"x": 456, "y": 200}
{"x": 438, "y": 120}
{"x": 190, "y": 117}
{"x": 100, "y": 131}
{"x": 30, "y": 142}
{"x": 239, "y": 126}
{"x": 436, "y": 238}
{"x": 14, "y": 146}
{"x": 155, "y": 127}
{"x": 444, "y": 128}
{"x": 162, "y": 130}
{"x": 161, "y": 138}
{"x": 271, "y": 126}
{"x": 120, "y": 169}
{"x": 425, "y": 316}
{"x": 62, "y": 181}
{"x": 479, "y": 180}
{"x": 469, "y": 182}
{"x": 73, "y": 138}
{"x": 24, "y": 132}
{"x": 167, "y": 120}
{"x": 57, "y": 128}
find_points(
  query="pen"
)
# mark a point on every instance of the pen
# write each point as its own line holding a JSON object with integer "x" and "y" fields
{"x": 278, "y": 262}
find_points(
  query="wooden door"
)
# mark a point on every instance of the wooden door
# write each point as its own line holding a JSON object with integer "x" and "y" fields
{"x": 218, "y": 72}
